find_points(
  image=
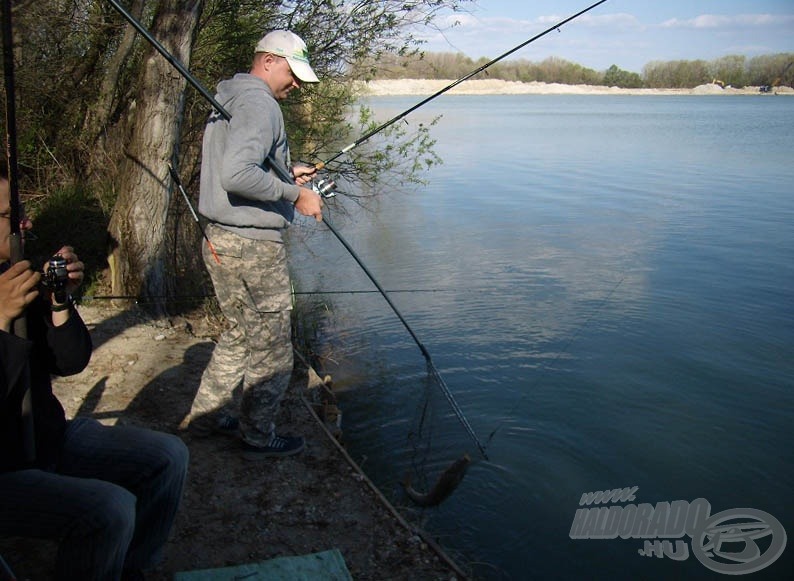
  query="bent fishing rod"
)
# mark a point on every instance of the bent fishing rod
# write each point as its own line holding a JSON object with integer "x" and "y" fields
{"x": 393, "y": 120}
{"x": 284, "y": 175}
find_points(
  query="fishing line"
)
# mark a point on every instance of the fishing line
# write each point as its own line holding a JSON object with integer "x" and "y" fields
{"x": 428, "y": 359}
{"x": 368, "y": 135}
{"x": 285, "y": 176}
{"x": 197, "y": 297}
{"x": 546, "y": 368}
{"x": 390, "y": 291}
{"x": 418, "y": 434}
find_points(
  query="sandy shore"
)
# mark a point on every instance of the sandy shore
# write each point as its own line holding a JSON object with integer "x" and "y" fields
{"x": 499, "y": 87}
{"x": 146, "y": 372}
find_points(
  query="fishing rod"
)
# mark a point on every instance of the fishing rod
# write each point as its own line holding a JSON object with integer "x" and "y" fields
{"x": 196, "y": 85}
{"x": 370, "y": 134}
{"x": 285, "y": 176}
{"x": 11, "y": 135}
{"x": 428, "y": 359}
{"x": 178, "y": 182}
{"x": 20, "y": 326}
{"x": 171, "y": 60}
{"x": 6, "y": 574}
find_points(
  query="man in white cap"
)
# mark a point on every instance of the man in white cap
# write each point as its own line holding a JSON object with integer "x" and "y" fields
{"x": 248, "y": 208}
{"x": 291, "y": 47}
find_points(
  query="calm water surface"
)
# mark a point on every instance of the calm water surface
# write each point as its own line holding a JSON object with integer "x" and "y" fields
{"x": 607, "y": 286}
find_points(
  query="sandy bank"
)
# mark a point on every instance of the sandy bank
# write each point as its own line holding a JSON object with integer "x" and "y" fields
{"x": 146, "y": 372}
{"x": 499, "y": 87}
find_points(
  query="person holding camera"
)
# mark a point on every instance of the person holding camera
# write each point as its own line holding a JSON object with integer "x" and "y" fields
{"x": 107, "y": 494}
{"x": 248, "y": 208}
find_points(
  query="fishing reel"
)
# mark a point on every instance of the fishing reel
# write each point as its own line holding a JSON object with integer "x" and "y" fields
{"x": 56, "y": 276}
{"x": 325, "y": 186}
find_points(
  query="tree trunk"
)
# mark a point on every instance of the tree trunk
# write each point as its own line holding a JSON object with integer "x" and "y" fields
{"x": 139, "y": 219}
{"x": 98, "y": 115}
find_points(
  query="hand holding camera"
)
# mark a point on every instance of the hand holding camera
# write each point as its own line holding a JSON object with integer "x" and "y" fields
{"x": 63, "y": 274}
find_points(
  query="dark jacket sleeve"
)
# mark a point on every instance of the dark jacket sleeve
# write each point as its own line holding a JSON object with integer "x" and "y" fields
{"x": 30, "y": 362}
{"x": 64, "y": 350}
{"x": 69, "y": 346}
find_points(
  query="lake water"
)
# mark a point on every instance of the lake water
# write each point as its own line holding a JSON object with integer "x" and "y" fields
{"x": 606, "y": 285}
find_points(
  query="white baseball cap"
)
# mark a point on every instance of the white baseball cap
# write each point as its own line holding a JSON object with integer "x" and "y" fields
{"x": 291, "y": 47}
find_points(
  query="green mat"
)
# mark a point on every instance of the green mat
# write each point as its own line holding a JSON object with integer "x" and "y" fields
{"x": 325, "y": 566}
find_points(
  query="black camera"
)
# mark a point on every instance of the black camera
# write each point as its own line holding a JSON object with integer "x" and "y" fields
{"x": 56, "y": 276}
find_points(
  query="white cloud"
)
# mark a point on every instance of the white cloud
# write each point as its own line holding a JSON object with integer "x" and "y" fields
{"x": 765, "y": 19}
{"x": 468, "y": 25}
{"x": 627, "y": 39}
{"x": 723, "y": 21}
{"x": 618, "y": 19}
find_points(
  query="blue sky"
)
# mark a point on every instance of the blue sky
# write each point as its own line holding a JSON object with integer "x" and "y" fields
{"x": 627, "y": 33}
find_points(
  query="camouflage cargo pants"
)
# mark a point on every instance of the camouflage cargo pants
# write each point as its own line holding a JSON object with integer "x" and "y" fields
{"x": 250, "y": 368}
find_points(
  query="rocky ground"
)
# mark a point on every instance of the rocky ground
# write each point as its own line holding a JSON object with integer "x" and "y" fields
{"x": 236, "y": 511}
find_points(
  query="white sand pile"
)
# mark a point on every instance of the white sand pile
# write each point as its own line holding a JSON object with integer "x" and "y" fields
{"x": 498, "y": 87}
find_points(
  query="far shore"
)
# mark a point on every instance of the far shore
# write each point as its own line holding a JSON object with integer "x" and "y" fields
{"x": 500, "y": 87}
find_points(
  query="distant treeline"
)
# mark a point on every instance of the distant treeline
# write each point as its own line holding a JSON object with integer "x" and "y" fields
{"x": 735, "y": 70}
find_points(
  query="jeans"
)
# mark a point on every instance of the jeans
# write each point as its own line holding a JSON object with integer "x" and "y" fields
{"x": 110, "y": 502}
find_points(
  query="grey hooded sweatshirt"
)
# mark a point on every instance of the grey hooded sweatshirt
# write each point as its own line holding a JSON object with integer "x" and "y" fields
{"x": 239, "y": 191}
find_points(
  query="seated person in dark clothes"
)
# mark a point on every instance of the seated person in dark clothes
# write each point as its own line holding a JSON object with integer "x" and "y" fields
{"x": 107, "y": 494}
